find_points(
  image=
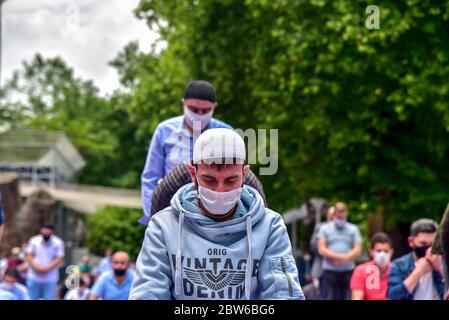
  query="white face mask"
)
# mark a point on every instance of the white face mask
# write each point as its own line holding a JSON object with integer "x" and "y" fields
{"x": 218, "y": 203}
{"x": 339, "y": 223}
{"x": 192, "y": 117}
{"x": 382, "y": 258}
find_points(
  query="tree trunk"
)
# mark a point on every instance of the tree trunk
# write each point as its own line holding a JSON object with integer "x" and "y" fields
{"x": 37, "y": 211}
{"x": 9, "y": 189}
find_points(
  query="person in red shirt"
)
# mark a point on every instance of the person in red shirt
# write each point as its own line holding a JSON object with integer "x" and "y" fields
{"x": 369, "y": 280}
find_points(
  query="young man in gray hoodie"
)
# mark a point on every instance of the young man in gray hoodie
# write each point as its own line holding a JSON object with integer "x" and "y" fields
{"x": 216, "y": 240}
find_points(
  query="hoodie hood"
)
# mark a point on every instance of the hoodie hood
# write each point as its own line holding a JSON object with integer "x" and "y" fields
{"x": 249, "y": 210}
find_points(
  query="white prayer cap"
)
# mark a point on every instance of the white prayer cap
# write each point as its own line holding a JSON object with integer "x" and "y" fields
{"x": 214, "y": 145}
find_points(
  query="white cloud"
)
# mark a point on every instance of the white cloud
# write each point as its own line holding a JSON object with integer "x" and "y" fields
{"x": 87, "y": 34}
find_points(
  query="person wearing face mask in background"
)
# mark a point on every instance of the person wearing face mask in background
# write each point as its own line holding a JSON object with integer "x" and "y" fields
{"x": 45, "y": 255}
{"x": 172, "y": 141}
{"x": 11, "y": 284}
{"x": 339, "y": 243}
{"x": 216, "y": 240}
{"x": 418, "y": 275}
{"x": 116, "y": 284}
{"x": 369, "y": 280}
{"x": 80, "y": 293}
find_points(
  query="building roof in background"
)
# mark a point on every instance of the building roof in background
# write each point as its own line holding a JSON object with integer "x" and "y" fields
{"x": 87, "y": 199}
{"x": 40, "y": 148}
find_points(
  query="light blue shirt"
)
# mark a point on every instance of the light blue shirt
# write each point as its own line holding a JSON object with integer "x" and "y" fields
{"x": 19, "y": 290}
{"x": 7, "y": 295}
{"x": 107, "y": 287}
{"x": 171, "y": 145}
{"x": 340, "y": 241}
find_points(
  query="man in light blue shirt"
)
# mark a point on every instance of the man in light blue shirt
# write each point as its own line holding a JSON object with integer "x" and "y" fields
{"x": 339, "y": 242}
{"x": 114, "y": 285}
{"x": 172, "y": 141}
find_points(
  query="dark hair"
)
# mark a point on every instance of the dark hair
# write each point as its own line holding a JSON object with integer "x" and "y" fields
{"x": 199, "y": 89}
{"x": 380, "y": 237}
{"x": 219, "y": 164}
{"x": 423, "y": 226}
{"x": 12, "y": 272}
{"x": 48, "y": 226}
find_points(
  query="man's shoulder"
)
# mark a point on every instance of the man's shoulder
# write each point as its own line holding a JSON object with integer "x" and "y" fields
{"x": 361, "y": 269}
{"x": 273, "y": 217}
{"x": 170, "y": 123}
{"x": 105, "y": 276}
{"x": 403, "y": 260}
{"x": 351, "y": 227}
{"x": 57, "y": 240}
{"x": 165, "y": 217}
{"x": 163, "y": 214}
{"x": 215, "y": 123}
{"x": 35, "y": 239}
{"x": 326, "y": 226}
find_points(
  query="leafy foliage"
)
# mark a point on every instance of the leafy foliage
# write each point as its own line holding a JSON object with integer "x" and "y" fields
{"x": 116, "y": 229}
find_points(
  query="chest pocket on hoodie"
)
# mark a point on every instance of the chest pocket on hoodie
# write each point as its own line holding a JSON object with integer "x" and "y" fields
{"x": 285, "y": 274}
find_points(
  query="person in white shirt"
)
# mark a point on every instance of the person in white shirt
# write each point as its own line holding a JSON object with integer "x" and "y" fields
{"x": 45, "y": 255}
{"x": 80, "y": 293}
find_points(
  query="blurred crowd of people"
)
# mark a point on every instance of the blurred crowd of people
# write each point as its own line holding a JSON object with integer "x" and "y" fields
{"x": 336, "y": 244}
{"x": 32, "y": 273}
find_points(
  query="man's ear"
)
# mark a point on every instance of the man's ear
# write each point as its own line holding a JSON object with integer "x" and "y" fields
{"x": 182, "y": 103}
{"x": 192, "y": 171}
{"x": 410, "y": 241}
{"x": 245, "y": 170}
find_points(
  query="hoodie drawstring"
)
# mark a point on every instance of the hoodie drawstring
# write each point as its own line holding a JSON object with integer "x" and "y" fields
{"x": 249, "y": 261}
{"x": 178, "y": 272}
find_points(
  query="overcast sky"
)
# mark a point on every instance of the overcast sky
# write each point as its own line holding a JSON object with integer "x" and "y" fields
{"x": 85, "y": 33}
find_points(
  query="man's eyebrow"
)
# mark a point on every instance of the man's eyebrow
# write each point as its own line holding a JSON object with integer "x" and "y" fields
{"x": 207, "y": 176}
{"x": 232, "y": 177}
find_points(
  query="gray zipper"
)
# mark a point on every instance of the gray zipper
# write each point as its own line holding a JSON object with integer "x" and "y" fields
{"x": 289, "y": 280}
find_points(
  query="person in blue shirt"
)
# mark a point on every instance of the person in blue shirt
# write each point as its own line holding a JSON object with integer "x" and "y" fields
{"x": 418, "y": 275}
{"x": 339, "y": 243}
{"x": 7, "y": 295}
{"x": 114, "y": 285}
{"x": 10, "y": 284}
{"x": 217, "y": 240}
{"x": 173, "y": 139}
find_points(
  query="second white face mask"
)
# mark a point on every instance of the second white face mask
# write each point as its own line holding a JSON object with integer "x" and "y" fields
{"x": 218, "y": 203}
{"x": 192, "y": 117}
{"x": 382, "y": 258}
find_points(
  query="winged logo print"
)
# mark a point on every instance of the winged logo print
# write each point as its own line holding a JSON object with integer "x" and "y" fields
{"x": 214, "y": 282}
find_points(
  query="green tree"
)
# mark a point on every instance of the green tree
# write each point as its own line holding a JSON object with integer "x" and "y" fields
{"x": 116, "y": 229}
{"x": 363, "y": 115}
{"x": 46, "y": 95}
